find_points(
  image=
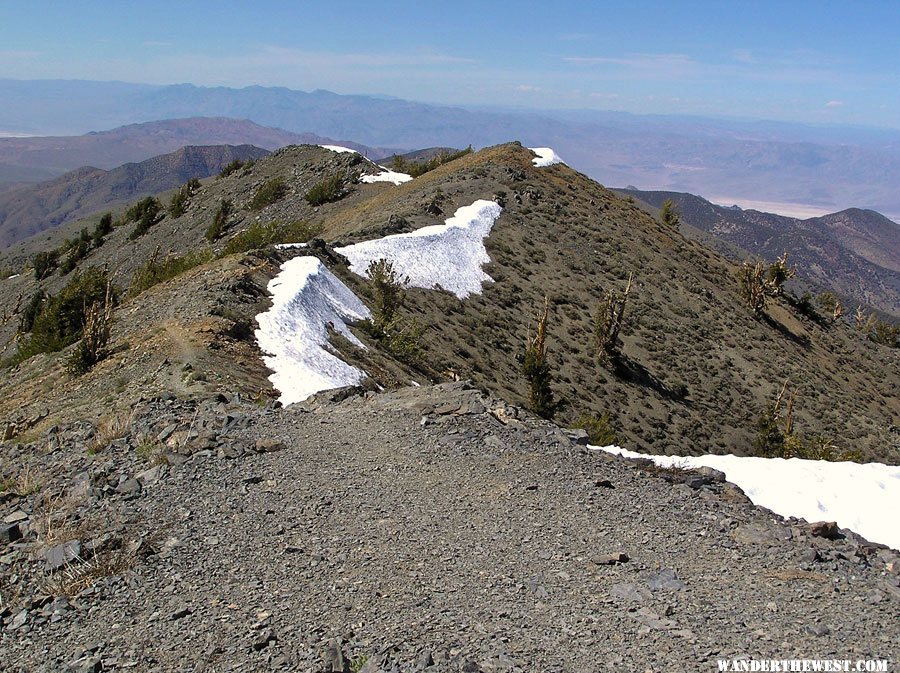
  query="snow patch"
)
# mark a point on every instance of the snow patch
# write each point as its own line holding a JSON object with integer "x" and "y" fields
{"x": 15, "y": 275}
{"x": 864, "y": 498}
{"x": 338, "y": 148}
{"x": 545, "y": 157}
{"x": 387, "y": 175}
{"x": 449, "y": 255}
{"x": 307, "y": 299}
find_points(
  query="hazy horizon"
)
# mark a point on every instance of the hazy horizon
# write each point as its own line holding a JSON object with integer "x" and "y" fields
{"x": 795, "y": 62}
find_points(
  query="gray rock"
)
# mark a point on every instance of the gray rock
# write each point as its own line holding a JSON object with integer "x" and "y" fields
{"x": 826, "y": 529}
{"x": 19, "y": 620}
{"x": 129, "y": 487}
{"x": 62, "y": 554}
{"x": 333, "y": 658}
{"x": 10, "y": 532}
{"x": 578, "y": 436}
{"x": 150, "y": 475}
{"x": 664, "y": 580}
{"x": 265, "y": 445}
{"x": 611, "y": 559}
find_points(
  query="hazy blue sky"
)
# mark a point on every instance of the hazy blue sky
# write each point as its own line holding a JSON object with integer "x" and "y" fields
{"x": 810, "y": 61}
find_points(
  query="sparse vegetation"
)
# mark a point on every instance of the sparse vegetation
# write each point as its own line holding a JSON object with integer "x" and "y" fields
{"x": 180, "y": 199}
{"x": 260, "y": 235}
{"x": 220, "y": 221}
{"x": 608, "y": 324}
{"x": 94, "y": 337}
{"x": 146, "y": 212}
{"x": 832, "y": 306}
{"x": 669, "y": 214}
{"x": 389, "y": 295}
{"x": 326, "y": 190}
{"x": 104, "y": 228}
{"x": 45, "y": 263}
{"x": 401, "y": 337}
{"x": 600, "y": 429}
{"x": 776, "y": 438}
{"x": 536, "y": 368}
{"x": 109, "y": 430}
{"x": 233, "y": 167}
{"x": 759, "y": 282}
{"x": 418, "y": 168}
{"x": 268, "y": 193}
{"x": 61, "y": 318}
{"x": 75, "y": 249}
{"x": 157, "y": 270}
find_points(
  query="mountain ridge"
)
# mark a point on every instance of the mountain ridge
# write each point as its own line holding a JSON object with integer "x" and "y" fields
{"x": 854, "y": 252}
{"x": 27, "y": 211}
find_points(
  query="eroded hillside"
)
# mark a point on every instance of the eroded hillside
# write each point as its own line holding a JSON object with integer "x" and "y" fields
{"x": 697, "y": 368}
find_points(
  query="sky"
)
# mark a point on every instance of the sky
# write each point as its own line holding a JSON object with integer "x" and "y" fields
{"x": 814, "y": 62}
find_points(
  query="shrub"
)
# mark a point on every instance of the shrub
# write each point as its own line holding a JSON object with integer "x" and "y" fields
{"x": 886, "y": 334}
{"x": 669, "y": 214}
{"x": 220, "y": 220}
{"x": 76, "y": 250}
{"x": 777, "y": 274}
{"x": 389, "y": 295}
{"x": 45, "y": 263}
{"x": 146, "y": 213}
{"x": 94, "y": 337}
{"x": 418, "y": 168}
{"x": 259, "y": 235}
{"x": 156, "y": 271}
{"x": 61, "y": 320}
{"x": 230, "y": 168}
{"x": 600, "y": 430}
{"x": 181, "y": 198}
{"x": 326, "y": 190}
{"x": 104, "y": 228}
{"x": 536, "y": 368}
{"x": 31, "y": 311}
{"x": 268, "y": 193}
{"x": 608, "y": 324}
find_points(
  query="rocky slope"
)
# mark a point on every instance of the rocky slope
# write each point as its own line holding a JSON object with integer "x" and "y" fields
{"x": 426, "y": 529}
{"x": 697, "y": 370}
{"x": 30, "y": 210}
{"x": 854, "y": 253}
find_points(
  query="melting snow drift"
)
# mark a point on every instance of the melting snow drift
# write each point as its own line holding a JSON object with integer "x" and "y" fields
{"x": 306, "y": 299}
{"x": 387, "y": 175}
{"x": 545, "y": 157}
{"x": 449, "y": 255}
{"x": 338, "y": 148}
{"x": 864, "y": 498}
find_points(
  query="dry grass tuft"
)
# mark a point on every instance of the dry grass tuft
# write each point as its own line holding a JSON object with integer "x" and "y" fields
{"x": 110, "y": 429}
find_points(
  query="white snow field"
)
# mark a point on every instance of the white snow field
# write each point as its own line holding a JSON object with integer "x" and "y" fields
{"x": 306, "y": 299}
{"x": 448, "y": 255}
{"x": 338, "y": 148}
{"x": 545, "y": 157}
{"x": 387, "y": 175}
{"x": 864, "y": 498}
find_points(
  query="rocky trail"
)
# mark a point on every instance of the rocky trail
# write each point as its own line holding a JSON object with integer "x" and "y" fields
{"x": 423, "y": 529}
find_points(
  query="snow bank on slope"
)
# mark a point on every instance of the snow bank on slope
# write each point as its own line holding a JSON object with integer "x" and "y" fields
{"x": 387, "y": 175}
{"x": 864, "y": 498}
{"x": 450, "y": 255}
{"x": 545, "y": 157}
{"x": 306, "y": 299}
{"x": 338, "y": 148}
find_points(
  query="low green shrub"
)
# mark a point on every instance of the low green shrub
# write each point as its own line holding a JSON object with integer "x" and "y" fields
{"x": 326, "y": 190}
{"x": 158, "y": 270}
{"x": 260, "y": 235}
{"x": 417, "y": 168}
{"x": 61, "y": 318}
{"x": 180, "y": 199}
{"x": 45, "y": 263}
{"x": 600, "y": 430}
{"x": 268, "y": 193}
{"x": 220, "y": 220}
{"x": 146, "y": 213}
{"x": 104, "y": 228}
{"x": 232, "y": 167}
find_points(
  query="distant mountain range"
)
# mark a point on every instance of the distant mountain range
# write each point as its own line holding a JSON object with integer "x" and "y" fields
{"x": 800, "y": 167}
{"x": 28, "y": 160}
{"x": 28, "y": 210}
{"x": 855, "y": 252}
